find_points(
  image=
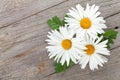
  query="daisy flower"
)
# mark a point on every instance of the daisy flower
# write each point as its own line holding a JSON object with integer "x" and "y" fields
{"x": 94, "y": 52}
{"x": 86, "y": 21}
{"x": 63, "y": 46}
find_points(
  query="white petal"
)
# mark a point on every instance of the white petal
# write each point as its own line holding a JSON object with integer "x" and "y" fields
{"x": 67, "y": 58}
{"x": 85, "y": 62}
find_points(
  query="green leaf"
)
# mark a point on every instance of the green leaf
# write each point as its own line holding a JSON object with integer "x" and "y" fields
{"x": 62, "y": 68}
{"x": 110, "y": 35}
{"x": 55, "y": 23}
{"x": 70, "y": 64}
{"x": 59, "y": 67}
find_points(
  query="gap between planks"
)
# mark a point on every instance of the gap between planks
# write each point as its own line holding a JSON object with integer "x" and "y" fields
{"x": 47, "y": 9}
{"x": 32, "y": 14}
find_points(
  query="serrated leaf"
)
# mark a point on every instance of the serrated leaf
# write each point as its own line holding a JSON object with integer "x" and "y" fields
{"x": 62, "y": 68}
{"x": 55, "y": 23}
{"x": 110, "y": 35}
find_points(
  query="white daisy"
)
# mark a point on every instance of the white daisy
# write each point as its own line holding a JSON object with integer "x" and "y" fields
{"x": 93, "y": 54}
{"x": 63, "y": 46}
{"x": 86, "y": 20}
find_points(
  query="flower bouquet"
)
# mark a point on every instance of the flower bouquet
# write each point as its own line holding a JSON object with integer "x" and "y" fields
{"x": 80, "y": 38}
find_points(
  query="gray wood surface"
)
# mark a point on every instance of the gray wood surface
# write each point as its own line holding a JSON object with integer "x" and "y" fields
{"x": 23, "y": 31}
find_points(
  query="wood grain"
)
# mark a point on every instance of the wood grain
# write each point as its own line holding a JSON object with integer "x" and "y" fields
{"x": 32, "y": 7}
{"x": 23, "y": 31}
{"x": 109, "y": 71}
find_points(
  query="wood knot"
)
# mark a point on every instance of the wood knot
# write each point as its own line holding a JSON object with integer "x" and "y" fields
{"x": 41, "y": 67}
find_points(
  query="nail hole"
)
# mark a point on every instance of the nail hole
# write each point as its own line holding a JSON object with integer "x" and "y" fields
{"x": 116, "y": 27}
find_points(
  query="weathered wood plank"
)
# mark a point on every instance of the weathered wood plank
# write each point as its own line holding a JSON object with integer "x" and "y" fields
{"x": 110, "y": 71}
{"x": 15, "y": 34}
{"x": 113, "y": 22}
{"x": 23, "y": 55}
{"x": 15, "y": 11}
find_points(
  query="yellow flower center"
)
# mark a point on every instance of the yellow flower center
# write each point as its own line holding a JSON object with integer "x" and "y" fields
{"x": 85, "y": 23}
{"x": 66, "y": 44}
{"x": 90, "y": 49}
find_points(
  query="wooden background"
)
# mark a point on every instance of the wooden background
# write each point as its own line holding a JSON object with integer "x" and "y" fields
{"x": 23, "y": 31}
